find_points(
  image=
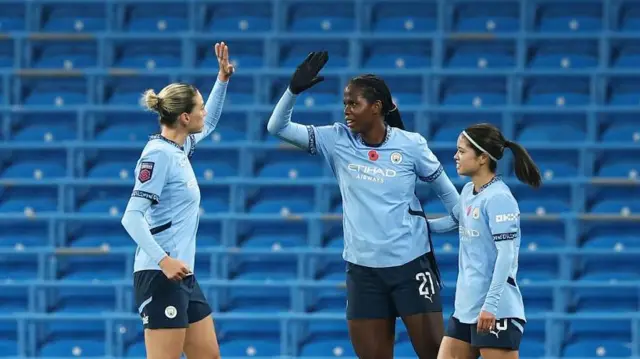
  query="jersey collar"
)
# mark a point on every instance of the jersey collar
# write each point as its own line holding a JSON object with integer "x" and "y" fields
{"x": 486, "y": 185}
{"x": 162, "y": 138}
{"x": 387, "y": 131}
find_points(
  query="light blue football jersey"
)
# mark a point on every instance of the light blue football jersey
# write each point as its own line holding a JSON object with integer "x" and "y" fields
{"x": 165, "y": 178}
{"x": 489, "y": 228}
{"x": 383, "y": 219}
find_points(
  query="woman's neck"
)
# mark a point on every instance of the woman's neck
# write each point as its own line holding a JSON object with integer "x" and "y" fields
{"x": 376, "y": 135}
{"x": 481, "y": 178}
{"x": 174, "y": 135}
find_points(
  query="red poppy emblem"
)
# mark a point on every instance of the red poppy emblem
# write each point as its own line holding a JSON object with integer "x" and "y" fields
{"x": 373, "y": 155}
{"x": 468, "y": 210}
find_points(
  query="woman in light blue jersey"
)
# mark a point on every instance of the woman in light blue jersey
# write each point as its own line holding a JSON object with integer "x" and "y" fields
{"x": 489, "y": 315}
{"x": 162, "y": 218}
{"x": 391, "y": 268}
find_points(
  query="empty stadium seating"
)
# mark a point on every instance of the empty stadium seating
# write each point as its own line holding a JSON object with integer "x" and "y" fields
{"x": 561, "y": 77}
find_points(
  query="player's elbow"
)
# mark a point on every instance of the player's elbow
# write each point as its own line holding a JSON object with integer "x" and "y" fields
{"x": 129, "y": 220}
{"x": 273, "y": 127}
{"x": 126, "y": 220}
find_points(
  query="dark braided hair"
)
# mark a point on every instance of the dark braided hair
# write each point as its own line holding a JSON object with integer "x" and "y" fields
{"x": 375, "y": 89}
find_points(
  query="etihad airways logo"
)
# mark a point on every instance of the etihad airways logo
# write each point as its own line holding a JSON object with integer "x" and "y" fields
{"x": 371, "y": 173}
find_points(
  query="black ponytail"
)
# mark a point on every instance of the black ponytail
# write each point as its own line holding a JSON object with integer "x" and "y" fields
{"x": 375, "y": 89}
{"x": 393, "y": 119}
{"x": 526, "y": 170}
{"x": 489, "y": 140}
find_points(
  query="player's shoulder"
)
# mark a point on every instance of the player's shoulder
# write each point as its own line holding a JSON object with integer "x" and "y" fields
{"x": 413, "y": 141}
{"x": 160, "y": 150}
{"x": 413, "y": 137}
{"x": 467, "y": 188}
{"x": 336, "y": 128}
{"x": 501, "y": 193}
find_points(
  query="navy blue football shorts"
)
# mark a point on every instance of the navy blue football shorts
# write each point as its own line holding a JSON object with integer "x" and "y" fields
{"x": 378, "y": 293}
{"x": 506, "y": 334}
{"x": 167, "y": 304}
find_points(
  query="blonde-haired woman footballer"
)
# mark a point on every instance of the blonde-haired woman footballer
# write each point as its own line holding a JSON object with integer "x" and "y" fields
{"x": 162, "y": 218}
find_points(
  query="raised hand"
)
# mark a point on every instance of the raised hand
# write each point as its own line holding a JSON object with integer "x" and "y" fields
{"x": 306, "y": 74}
{"x": 226, "y": 68}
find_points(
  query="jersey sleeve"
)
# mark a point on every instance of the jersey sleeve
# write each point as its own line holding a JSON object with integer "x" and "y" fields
{"x": 504, "y": 217}
{"x": 151, "y": 175}
{"x": 504, "y": 223}
{"x": 447, "y": 223}
{"x": 315, "y": 139}
{"x": 322, "y": 139}
{"x": 427, "y": 166}
{"x": 213, "y": 106}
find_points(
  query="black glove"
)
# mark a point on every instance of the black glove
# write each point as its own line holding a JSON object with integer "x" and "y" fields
{"x": 306, "y": 74}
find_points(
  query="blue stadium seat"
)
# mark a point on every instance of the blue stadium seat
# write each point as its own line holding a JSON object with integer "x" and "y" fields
{"x": 478, "y": 55}
{"x": 64, "y": 338}
{"x": 612, "y": 200}
{"x": 472, "y": 92}
{"x": 547, "y": 92}
{"x": 6, "y": 52}
{"x": 289, "y": 164}
{"x": 13, "y": 17}
{"x": 271, "y": 236}
{"x": 563, "y": 163}
{"x": 9, "y": 338}
{"x": 119, "y": 127}
{"x": 338, "y": 17}
{"x": 620, "y": 129}
{"x": 170, "y": 17}
{"x": 126, "y": 90}
{"x": 470, "y": 17}
{"x": 263, "y": 267}
{"x": 595, "y": 299}
{"x": 602, "y": 338}
{"x": 111, "y": 164}
{"x": 70, "y": 18}
{"x": 19, "y": 266}
{"x": 28, "y": 200}
{"x": 25, "y": 234}
{"x": 623, "y": 92}
{"x": 38, "y": 165}
{"x": 583, "y": 17}
{"x": 65, "y": 55}
{"x": 546, "y": 54}
{"x": 88, "y": 268}
{"x": 209, "y": 165}
{"x": 261, "y": 339}
{"x": 44, "y": 127}
{"x": 403, "y": 17}
{"x": 551, "y": 128}
{"x": 403, "y": 54}
{"x": 150, "y": 55}
{"x": 282, "y": 200}
{"x": 613, "y": 236}
{"x": 80, "y": 299}
{"x": 58, "y": 92}
{"x": 251, "y": 300}
{"x": 617, "y": 164}
{"x": 228, "y": 17}
{"x": 214, "y": 200}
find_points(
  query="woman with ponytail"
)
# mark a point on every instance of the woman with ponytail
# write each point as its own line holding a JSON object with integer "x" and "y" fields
{"x": 488, "y": 318}
{"x": 391, "y": 268}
